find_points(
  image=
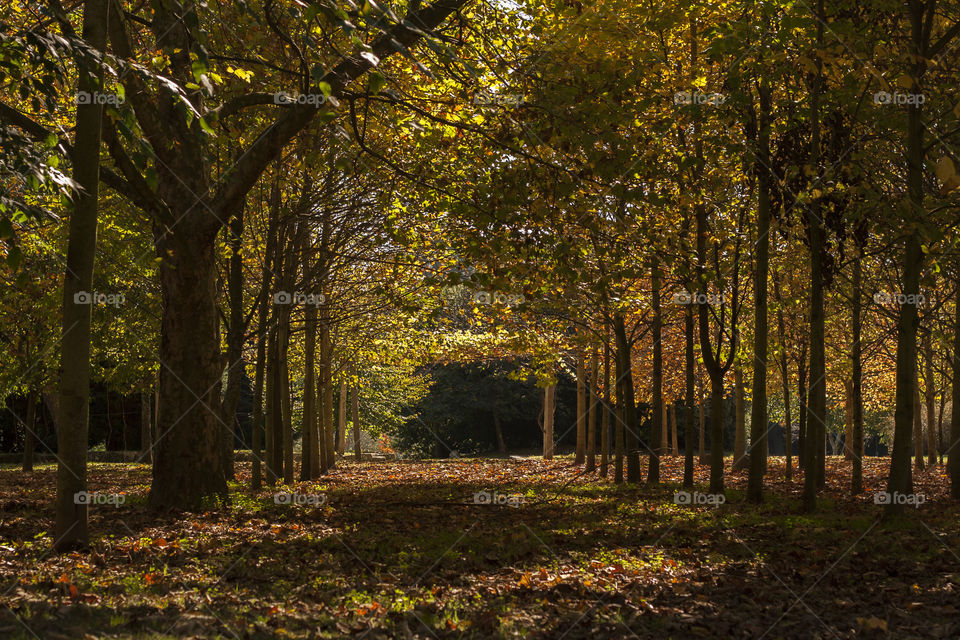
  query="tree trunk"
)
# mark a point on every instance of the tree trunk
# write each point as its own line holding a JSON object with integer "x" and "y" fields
{"x": 856, "y": 484}
{"x": 930, "y": 393}
{"x": 905, "y": 395}
{"x": 785, "y": 378}
{"x": 917, "y": 432}
{"x": 626, "y": 400}
{"x": 802, "y": 407}
{"x": 272, "y": 407}
{"x": 758, "y": 408}
{"x": 848, "y": 419}
{"x": 309, "y": 442}
{"x": 342, "y": 418}
{"x": 818, "y": 389}
{"x": 70, "y": 529}
{"x": 548, "y": 395}
{"x": 658, "y": 430}
{"x": 326, "y": 381}
{"x": 355, "y": 404}
{"x": 256, "y": 476}
{"x": 740, "y": 460}
{"x": 146, "y": 440}
{"x": 716, "y": 433}
{"x": 953, "y": 451}
{"x": 592, "y": 412}
{"x": 581, "y": 449}
{"x": 286, "y": 404}
{"x": 188, "y": 469}
{"x": 29, "y": 433}
{"x": 689, "y": 380}
{"x": 498, "y": 431}
{"x": 675, "y": 445}
{"x": 606, "y": 407}
{"x": 235, "y": 338}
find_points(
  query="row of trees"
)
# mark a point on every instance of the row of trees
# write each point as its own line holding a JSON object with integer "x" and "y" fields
{"x": 311, "y": 183}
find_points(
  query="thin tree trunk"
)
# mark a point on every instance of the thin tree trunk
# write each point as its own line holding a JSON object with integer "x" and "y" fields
{"x": 626, "y": 400}
{"x": 785, "y": 378}
{"x": 658, "y": 430}
{"x": 256, "y": 481}
{"x": 286, "y": 406}
{"x": 818, "y": 390}
{"x": 802, "y": 407}
{"x": 70, "y": 529}
{"x": 272, "y": 407}
{"x": 548, "y": 393}
{"x": 905, "y": 395}
{"x": 856, "y": 485}
{"x": 309, "y": 429}
{"x": 326, "y": 372}
{"x": 758, "y": 408}
{"x": 688, "y": 413}
{"x": 606, "y": 406}
{"x": 581, "y": 449}
{"x": 953, "y": 451}
{"x": 675, "y": 445}
{"x": 930, "y": 392}
{"x": 342, "y": 418}
{"x": 146, "y": 441}
{"x": 592, "y": 402}
{"x": 29, "y": 434}
{"x": 355, "y": 404}
{"x": 498, "y": 431}
{"x": 917, "y": 432}
{"x": 740, "y": 460}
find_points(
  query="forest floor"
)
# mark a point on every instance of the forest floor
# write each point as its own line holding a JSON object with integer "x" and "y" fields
{"x": 479, "y": 548}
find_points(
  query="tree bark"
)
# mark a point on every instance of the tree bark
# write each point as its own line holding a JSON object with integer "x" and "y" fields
{"x": 309, "y": 442}
{"x": 905, "y": 396}
{"x": 70, "y": 528}
{"x": 548, "y": 410}
{"x": 592, "y": 402}
{"x": 606, "y": 406}
{"x": 355, "y": 404}
{"x": 689, "y": 380}
{"x": 146, "y": 439}
{"x": 856, "y": 484}
{"x": 818, "y": 390}
{"x": 758, "y": 408}
{"x": 342, "y": 418}
{"x": 235, "y": 338}
{"x": 626, "y": 400}
{"x": 953, "y": 452}
{"x": 785, "y": 378}
{"x": 658, "y": 430}
{"x": 581, "y": 450}
{"x": 740, "y": 460}
{"x": 29, "y": 433}
{"x": 930, "y": 393}
{"x": 188, "y": 469}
